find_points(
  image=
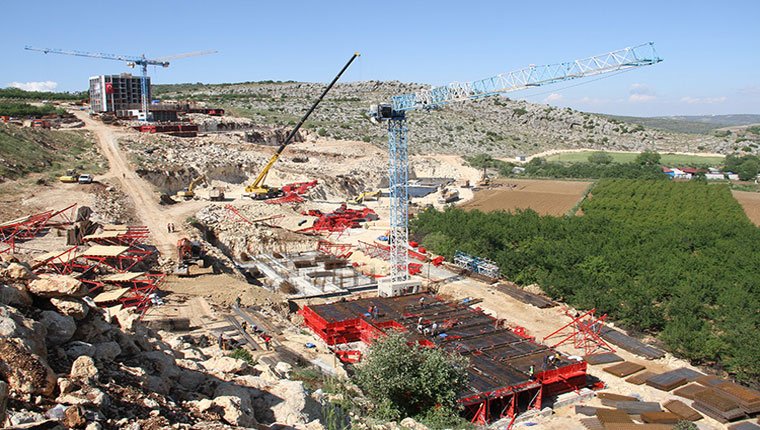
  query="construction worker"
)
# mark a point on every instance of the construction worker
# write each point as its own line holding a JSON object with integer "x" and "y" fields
{"x": 531, "y": 371}
{"x": 375, "y": 312}
{"x": 220, "y": 341}
{"x": 237, "y": 301}
{"x": 434, "y": 329}
{"x": 422, "y": 302}
{"x": 245, "y": 326}
{"x": 419, "y": 321}
{"x": 267, "y": 339}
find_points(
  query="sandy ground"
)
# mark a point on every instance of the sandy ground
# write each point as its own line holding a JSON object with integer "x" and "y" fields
{"x": 545, "y": 197}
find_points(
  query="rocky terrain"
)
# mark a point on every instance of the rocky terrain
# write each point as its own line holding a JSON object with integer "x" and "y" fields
{"x": 70, "y": 364}
{"x": 498, "y": 125}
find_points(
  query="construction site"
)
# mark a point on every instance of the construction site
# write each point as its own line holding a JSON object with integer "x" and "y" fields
{"x": 296, "y": 249}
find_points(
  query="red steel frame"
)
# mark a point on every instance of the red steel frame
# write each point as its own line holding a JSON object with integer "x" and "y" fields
{"x": 135, "y": 235}
{"x": 546, "y": 381}
{"x": 585, "y": 332}
{"x": 30, "y": 226}
{"x": 340, "y": 250}
{"x": 122, "y": 262}
{"x": 140, "y": 290}
{"x": 233, "y": 214}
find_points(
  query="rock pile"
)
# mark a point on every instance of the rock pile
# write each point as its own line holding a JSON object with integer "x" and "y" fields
{"x": 65, "y": 363}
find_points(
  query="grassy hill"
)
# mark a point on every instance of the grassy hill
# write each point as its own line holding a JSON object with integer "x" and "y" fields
{"x": 26, "y": 150}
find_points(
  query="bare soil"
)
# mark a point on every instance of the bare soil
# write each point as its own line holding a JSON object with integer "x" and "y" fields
{"x": 750, "y": 203}
{"x": 543, "y": 196}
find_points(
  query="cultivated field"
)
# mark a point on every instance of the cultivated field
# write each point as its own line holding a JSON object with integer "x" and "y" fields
{"x": 750, "y": 203}
{"x": 627, "y": 157}
{"x": 545, "y": 197}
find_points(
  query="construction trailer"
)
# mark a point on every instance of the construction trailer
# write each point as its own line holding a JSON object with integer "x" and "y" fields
{"x": 509, "y": 371}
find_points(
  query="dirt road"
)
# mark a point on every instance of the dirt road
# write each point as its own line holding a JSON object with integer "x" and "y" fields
{"x": 140, "y": 191}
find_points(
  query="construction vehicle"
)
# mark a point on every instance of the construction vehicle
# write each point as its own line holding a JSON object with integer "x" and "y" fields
{"x": 189, "y": 253}
{"x": 189, "y": 192}
{"x": 393, "y": 114}
{"x": 366, "y": 196}
{"x": 85, "y": 178}
{"x": 448, "y": 195}
{"x": 70, "y": 177}
{"x": 258, "y": 190}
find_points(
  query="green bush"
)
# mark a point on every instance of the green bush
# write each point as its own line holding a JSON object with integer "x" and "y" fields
{"x": 25, "y": 110}
{"x": 406, "y": 380}
{"x": 243, "y": 354}
{"x": 600, "y": 158}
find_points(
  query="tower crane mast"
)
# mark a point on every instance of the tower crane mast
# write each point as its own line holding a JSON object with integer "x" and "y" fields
{"x": 533, "y": 76}
{"x": 132, "y": 61}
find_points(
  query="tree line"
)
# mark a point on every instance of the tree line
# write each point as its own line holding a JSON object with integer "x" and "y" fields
{"x": 674, "y": 259}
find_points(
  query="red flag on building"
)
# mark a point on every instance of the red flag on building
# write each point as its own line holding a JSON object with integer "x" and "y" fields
{"x": 109, "y": 88}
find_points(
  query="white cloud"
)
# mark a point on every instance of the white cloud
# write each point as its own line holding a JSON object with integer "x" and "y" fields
{"x": 703, "y": 100}
{"x": 592, "y": 101}
{"x": 641, "y": 98}
{"x": 35, "y": 86}
{"x": 553, "y": 98}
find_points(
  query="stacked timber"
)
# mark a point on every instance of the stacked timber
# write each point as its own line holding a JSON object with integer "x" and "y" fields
{"x": 682, "y": 410}
{"x": 717, "y": 405}
{"x": 747, "y": 398}
{"x": 612, "y": 399}
{"x": 626, "y": 368}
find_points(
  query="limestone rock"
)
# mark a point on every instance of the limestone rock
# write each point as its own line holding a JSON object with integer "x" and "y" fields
{"x": 29, "y": 332}
{"x": 225, "y": 365}
{"x": 16, "y": 271}
{"x": 25, "y": 417}
{"x": 107, "y": 351}
{"x": 295, "y": 406}
{"x": 74, "y": 308}
{"x": 16, "y": 296}
{"x": 283, "y": 369}
{"x": 84, "y": 369}
{"x": 87, "y": 396}
{"x": 25, "y": 372}
{"x": 57, "y": 286}
{"x": 74, "y": 417}
{"x": 60, "y": 328}
{"x": 411, "y": 424}
{"x": 229, "y": 407}
{"x": 92, "y": 328}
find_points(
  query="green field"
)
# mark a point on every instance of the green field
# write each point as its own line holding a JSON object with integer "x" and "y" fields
{"x": 628, "y": 157}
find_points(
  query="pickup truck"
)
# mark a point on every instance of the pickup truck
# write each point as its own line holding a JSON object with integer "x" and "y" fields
{"x": 85, "y": 179}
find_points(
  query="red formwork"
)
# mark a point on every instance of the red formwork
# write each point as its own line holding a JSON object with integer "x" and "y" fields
{"x": 382, "y": 251}
{"x": 584, "y": 332}
{"x": 510, "y": 372}
{"x": 124, "y": 261}
{"x": 28, "y": 227}
{"x": 340, "y": 250}
{"x": 142, "y": 289}
{"x": 134, "y": 235}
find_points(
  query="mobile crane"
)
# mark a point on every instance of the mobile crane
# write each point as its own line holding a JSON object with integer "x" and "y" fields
{"x": 258, "y": 190}
{"x": 438, "y": 97}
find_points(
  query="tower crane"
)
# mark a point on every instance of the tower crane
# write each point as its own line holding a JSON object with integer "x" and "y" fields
{"x": 132, "y": 61}
{"x": 395, "y": 114}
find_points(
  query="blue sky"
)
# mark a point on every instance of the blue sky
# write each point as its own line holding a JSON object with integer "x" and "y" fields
{"x": 711, "y": 49}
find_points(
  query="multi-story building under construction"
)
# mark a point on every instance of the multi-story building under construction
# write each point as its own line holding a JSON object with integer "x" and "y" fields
{"x": 112, "y": 93}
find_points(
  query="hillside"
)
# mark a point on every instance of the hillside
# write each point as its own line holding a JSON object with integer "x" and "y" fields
{"x": 498, "y": 126}
{"x": 27, "y": 150}
{"x": 694, "y": 124}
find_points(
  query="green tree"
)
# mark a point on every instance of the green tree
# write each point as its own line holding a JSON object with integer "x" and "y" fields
{"x": 748, "y": 170}
{"x": 600, "y": 158}
{"x": 685, "y": 425}
{"x": 406, "y": 380}
{"x": 648, "y": 158}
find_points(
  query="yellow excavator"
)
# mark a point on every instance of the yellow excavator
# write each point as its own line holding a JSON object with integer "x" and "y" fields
{"x": 189, "y": 192}
{"x": 258, "y": 190}
{"x": 366, "y": 196}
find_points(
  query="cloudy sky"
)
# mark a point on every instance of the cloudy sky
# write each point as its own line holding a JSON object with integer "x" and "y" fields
{"x": 710, "y": 49}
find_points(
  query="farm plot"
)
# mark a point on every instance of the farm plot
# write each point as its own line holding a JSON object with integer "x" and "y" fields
{"x": 750, "y": 203}
{"x": 545, "y": 197}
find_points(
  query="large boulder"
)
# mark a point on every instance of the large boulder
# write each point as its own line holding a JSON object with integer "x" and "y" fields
{"x": 225, "y": 365}
{"x": 107, "y": 351}
{"x": 16, "y": 271}
{"x": 28, "y": 331}
{"x": 87, "y": 396}
{"x": 74, "y": 308}
{"x": 15, "y": 295}
{"x": 25, "y": 372}
{"x": 231, "y": 410}
{"x": 60, "y": 328}
{"x": 57, "y": 286}
{"x": 77, "y": 348}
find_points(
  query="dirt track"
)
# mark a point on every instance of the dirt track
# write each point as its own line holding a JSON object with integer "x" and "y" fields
{"x": 545, "y": 197}
{"x": 140, "y": 191}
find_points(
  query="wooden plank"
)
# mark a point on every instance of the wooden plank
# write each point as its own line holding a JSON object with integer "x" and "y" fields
{"x": 626, "y": 368}
{"x": 683, "y": 410}
{"x": 637, "y": 408}
{"x": 660, "y": 417}
{"x": 689, "y": 391}
{"x": 605, "y": 358}
{"x": 607, "y": 416}
{"x": 640, "y": 378}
